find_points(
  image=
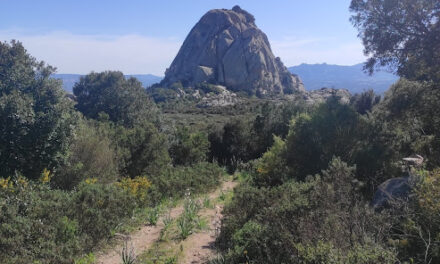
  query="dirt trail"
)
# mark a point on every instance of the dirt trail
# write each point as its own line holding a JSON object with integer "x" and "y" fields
{"x": 142, "y": 239}
{"x": 199, "y": 247}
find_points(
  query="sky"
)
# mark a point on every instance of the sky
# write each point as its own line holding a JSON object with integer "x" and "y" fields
{"x": 140, "y": 37}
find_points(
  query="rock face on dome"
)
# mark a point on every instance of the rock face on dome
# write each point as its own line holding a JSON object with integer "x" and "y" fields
{"x": 226, "y": 48}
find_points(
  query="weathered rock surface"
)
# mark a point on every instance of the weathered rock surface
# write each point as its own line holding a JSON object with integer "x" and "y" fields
{"x": 226, "y": 47}
{"x": 391, "y": 191}
{"x": 222, "y": 98}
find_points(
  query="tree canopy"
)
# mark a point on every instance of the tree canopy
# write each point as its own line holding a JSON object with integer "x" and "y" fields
{"x": 123, "y": 100}
{"x": 36, "y": 119}
{"x": 403, "y": 35}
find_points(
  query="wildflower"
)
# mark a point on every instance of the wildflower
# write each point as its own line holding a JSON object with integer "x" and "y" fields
{"x": 45, "y": 176}
{"x": 91, "y": 180}
{"x": 6, "y": 183}
{"x": 22, "y": 181}
{"x": 137, "y": 187}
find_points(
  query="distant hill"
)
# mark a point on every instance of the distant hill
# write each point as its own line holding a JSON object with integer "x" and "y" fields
{"x": 352, "y": 78}
{"x": 69, "y": 80}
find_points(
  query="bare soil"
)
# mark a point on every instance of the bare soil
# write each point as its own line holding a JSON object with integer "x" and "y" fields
{"x": 197, "y": 248}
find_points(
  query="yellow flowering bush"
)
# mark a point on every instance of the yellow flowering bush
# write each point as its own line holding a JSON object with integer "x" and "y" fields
{"x": 6, "y": 183}
{"x": 91, "y": 180}
{"x": 45, "y": 176}
{"x": 137, "y": 187}
{"x": 10, "y": 184}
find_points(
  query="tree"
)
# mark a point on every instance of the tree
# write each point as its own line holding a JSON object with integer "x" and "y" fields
{"x": 123, "y": 100}
{"x": 189, "y": 148}
{"x": 401, "y": 34}
{"x": 36, "y": 119}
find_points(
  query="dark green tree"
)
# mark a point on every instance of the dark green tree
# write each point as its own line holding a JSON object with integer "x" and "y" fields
{"x": 363, "y": 103}
{"x": 123, "y": 100}
{"x": 401, "y": 34}
{"x": 36, "y": 119}
{"x": 189, "y": 148}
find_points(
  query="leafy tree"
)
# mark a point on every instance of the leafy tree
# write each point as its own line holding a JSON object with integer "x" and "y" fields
{"x": 189, "y": 148}
{"x": 331, "y": 130}
{"x": 410, "y": 117}
{"x": 123, "y": 100}
{"x": 141, "y": 150}
{"x": 90, "y": 156}
{"x": 401, "y": 34}
{"x": 233, "y": 144}
{"x": 363, "y": 103}
{"x": 36, "y": 119}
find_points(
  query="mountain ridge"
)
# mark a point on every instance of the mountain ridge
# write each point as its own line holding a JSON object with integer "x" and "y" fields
{"x": 352, "y": 78}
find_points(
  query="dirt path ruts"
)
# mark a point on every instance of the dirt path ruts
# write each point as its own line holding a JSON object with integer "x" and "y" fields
{"x": 142, "y": 239}
{"x": 199, "y": 247}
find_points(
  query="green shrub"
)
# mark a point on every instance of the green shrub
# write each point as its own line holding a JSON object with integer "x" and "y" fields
{"x": 99, "y": 209}
{"x": 34, "y": 226}
{"x": 174, "y": 181}
{"x": 320, "y": 220}
{"x": 90, "y": 156}
{"x": 189, "y": 148}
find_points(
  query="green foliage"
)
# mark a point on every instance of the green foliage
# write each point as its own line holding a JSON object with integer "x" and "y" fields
{"x": 173, "y": 182}
{"x": 87, "y": 259}
{"x": 128, "y": 256}
{"x": 331, "y": 130}
{"x": 153, "y": 215}
{"x": 321, "y": 220}
{"x": 123, "y": 100}
{"x": 327, "y": 253}
{"x": 232, "y": 144}
{"x": 36, "y": 225}
{"x": 140, "y": 150}
{"x": 410, "y": 119}
{"x": 189, "y": 219}
{"x": 36, "y": 119}
{"x": 402, "y": 34}
{"x": 363, "y": 103}
{"x": 243, "y": 139}
{"x": 272, "y": 167}
{"x": 416, "y": 230}
{"x": 98, "y": 209}
{"x": 189, "y": 148}
{"x": 91, "y": 156}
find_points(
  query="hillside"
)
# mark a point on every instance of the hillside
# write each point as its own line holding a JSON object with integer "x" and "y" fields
{"x": 69, "y": 80}
{"x": 352, "y": 78}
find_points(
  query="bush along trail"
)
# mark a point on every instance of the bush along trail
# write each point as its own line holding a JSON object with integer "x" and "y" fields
{"x": 183, "y": 234}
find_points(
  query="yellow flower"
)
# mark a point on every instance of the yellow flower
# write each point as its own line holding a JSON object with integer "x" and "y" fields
{"x": 45, "y": 176}
{"x": 91, "y": 180}
{"x": 6, "y": 183}
{"x": 22, "y": 181}
{"x": 137, "y": 187}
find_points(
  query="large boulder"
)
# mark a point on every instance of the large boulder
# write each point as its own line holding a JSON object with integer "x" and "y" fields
{"x": 226, "y": 47}
{"x": 392, "y": 192}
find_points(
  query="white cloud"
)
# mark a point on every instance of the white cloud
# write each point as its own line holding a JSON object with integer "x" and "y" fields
{"x": 70, "y": 53}
{"x": 296, "y": 51}
{"x": 136, "y": 54}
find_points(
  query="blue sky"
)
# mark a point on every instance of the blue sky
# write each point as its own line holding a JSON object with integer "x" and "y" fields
{"x": 144, "y": 36}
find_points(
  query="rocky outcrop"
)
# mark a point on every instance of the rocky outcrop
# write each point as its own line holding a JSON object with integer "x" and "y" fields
{"x": 391, "y": 192}
{"x": 395, "y": 191}
{"x": 222, "y": 98}
{"x": 226, "y": 47}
